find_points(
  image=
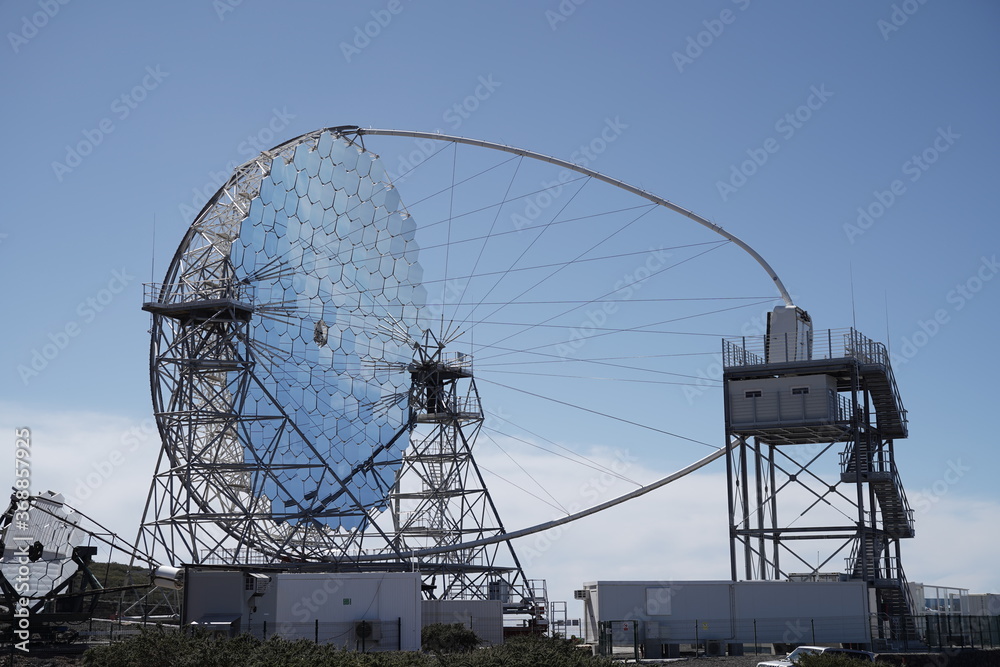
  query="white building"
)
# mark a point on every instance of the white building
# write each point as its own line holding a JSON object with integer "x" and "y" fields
{"x": 364, "y": 611}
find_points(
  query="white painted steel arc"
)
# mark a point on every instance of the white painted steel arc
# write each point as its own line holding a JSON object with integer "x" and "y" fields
{"x": 524, "y": 532}
{"x": 601, "y": 177}
{"x": 214, "y": 413}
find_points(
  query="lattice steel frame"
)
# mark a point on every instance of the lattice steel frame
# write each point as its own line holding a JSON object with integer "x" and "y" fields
{"x": 192, "y": 525}
{"x": 201, "y": 506}
{"x": 450, "y": 503}
{"x": 205, "y": 504}
{"x": 762, "y": 466}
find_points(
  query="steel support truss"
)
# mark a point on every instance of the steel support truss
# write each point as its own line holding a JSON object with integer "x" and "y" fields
{"x": 440, "y": 497}
{"x": 824, "y": 499}
{"x": 208, "y": 501}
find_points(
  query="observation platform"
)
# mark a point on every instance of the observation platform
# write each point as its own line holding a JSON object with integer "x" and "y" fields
{"x": 442, "y": 367}
{"x": 199, "y": 301}
{"x": 447, "y": 410}
{"x": 436, "y": 400}
{"x": 839, "y": 354}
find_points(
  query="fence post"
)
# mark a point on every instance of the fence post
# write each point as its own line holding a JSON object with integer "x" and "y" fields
{"x": 265, "y": 629}
{"x": 812, "y": 622}
{"x": 697, "y": 641}
{"x": 316, "y": 633}
{"x": 635, "y": 640}
{"x": 756, "y": 648}
{"x": 399, "y": 633}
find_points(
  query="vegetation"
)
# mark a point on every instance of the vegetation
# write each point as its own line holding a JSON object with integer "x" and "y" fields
{"x": 530, "y": 651}
{"x": 159, "y": 648}
{"x": 445, "y": 638}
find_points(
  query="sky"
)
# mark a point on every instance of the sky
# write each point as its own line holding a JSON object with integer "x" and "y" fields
{"x": 852, "y": 144}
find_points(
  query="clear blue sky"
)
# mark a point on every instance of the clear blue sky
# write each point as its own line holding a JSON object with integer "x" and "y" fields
{"x": 122, "y": 113}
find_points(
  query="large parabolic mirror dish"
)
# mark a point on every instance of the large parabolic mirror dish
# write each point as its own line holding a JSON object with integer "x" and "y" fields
{"x": 290, "y": 290}
{"x": 299, "y": 315}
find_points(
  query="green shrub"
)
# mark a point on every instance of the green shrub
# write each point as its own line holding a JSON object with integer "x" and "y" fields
{"x": 448, "y": 638}
{"x": 156, "y": 647}
{"x": 530, "y": 651}
{"x": 159, "y": 648}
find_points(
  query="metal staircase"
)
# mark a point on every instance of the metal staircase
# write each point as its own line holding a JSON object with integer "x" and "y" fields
{"x": 879, "y": 471}
{"x": 897, "y": 517}
{"x": 873, "y": 366}
{"x": 870, "y": 560}
{"x": 864, "y": 559}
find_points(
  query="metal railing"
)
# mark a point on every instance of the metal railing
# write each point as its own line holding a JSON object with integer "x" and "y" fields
{"x": 891, "y": 377}
{"x": 641, "y": 637}
{"x": 369, "y": 636}
{"x": 826, "y": 344}
{"x": 449, "y": 406}
{"x": 897, "y": 483}
{"x": 205, "y": 290}
{"x": 363, "y": 636}
{"x": 456, "y": 360}
{"x": 879, "y": 463}
{"x": 943, "y": 631}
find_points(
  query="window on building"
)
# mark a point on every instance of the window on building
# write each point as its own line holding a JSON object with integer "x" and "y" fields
{"x": 800, "y": 391}
{"x": 753, "y": 393}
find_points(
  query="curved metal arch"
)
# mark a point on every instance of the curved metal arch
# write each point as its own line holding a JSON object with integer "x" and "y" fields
{"x": 786, "y": 297}
{"x": 253, "y": 166}
{"x": 548, "y": 525}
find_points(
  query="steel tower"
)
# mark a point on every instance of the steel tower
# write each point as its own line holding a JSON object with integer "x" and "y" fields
{"x": 440, "y": 497}
{"x": 795, "y": 402}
